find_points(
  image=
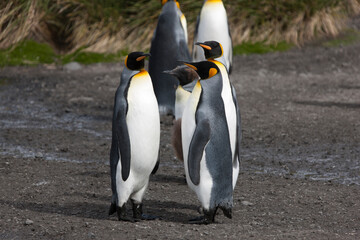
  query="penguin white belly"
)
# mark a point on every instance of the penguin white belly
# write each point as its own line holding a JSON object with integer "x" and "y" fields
{"x": 188, "y": 125}
{"x": 213, "y": 26}
{"x": 144, "y": 132}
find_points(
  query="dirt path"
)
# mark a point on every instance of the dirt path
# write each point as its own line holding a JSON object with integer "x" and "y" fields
{"x": 300, "y": 172}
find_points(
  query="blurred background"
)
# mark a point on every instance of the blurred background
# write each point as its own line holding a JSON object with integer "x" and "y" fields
{"x": 88, "y": 31}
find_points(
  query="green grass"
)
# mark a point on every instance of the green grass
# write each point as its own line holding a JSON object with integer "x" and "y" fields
{"x": 27, "y": 53}
{"x": 261, "y": 48}
{"x": 349, "y": 37}
{"x": 31, "y": 53}
{"x": 90, "y": 57}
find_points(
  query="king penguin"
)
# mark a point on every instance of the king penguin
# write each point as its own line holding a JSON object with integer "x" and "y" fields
{"x": 186, "y": 77}
{"x": 169, "y": 44}
{"x": 213, "y": 50}
{"x": 212, "y": 24}
{"x": 207, "y": 145}
{"x": 135, "y": 138}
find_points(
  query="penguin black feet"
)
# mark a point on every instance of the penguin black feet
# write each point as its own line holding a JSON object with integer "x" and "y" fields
{"x": 138, "y": 214}
{"x": 209, "y": 217}
{"x": 112, "y": 209}
{"x": 121, "y": 213}
{"x": 227, "y": 212}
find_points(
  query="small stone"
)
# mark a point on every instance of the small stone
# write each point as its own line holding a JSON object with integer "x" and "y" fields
{"x": 246, "y": 203}
{"x": 72, "y": 66}
{"x": 28, "y": 222}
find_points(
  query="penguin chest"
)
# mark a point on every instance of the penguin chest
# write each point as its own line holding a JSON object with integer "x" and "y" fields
{"x": 143, "y": 123}
{"x": 181, "y": 98}
{"x": 213, "y": 26}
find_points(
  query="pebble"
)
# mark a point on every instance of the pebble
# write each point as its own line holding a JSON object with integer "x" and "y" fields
{"x": 246, "y": 203}
{"x": 28, "y": 222}
{"x": 72, "y": 66}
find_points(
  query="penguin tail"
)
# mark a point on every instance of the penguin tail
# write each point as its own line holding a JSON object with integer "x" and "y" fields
{"x": 156, "y": 167}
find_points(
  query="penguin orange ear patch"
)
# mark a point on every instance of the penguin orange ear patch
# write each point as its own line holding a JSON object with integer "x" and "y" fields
{"x": 212, "y": 72}
{"x": 140, "y": 58}
{"x": 191, "y": 66}
{"x": 126, "y": 60}
{"x": 222, "y": 50}
{"x": 163, "y": 2}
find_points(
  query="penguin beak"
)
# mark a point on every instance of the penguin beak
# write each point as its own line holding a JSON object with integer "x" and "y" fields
{"x": 203, "y": 45}
{"x": 143, "y": 56}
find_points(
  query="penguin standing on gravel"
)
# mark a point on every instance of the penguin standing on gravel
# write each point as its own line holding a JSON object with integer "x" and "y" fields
{"x": 206, "y": 142}
{"x": 213, "y": 50}
{"x": 212, "y": 24}
{"x": 186, "y": 77}
{"x": 135, "y": 138}
{"x": 169, "y": 44}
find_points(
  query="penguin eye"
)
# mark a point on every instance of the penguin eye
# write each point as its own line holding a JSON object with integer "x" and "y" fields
{"x": 212, "y": 72}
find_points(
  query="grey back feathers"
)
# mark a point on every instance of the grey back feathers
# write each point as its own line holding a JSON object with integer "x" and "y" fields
{"x": 168, "y": 46}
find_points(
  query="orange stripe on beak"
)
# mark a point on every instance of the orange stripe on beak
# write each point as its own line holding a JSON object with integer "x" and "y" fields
{"x": 140, "y": 58}
{"x": 205, "y": 46}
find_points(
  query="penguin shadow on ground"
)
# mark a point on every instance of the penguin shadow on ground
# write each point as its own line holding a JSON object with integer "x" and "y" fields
{"x": 78, "y": 209}
{"x": 329, "y": 104}
{"x": 170, "y": 211}
{"x": 162, "y": 178}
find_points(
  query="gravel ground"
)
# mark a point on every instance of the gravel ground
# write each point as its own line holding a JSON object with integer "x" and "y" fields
{"x": 300, "y": 170}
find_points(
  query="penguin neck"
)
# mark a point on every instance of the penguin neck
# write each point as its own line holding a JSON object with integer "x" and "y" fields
{"x": 163, "y": 2}
{"x": 142, "y": 72}
{"x": 214, "y": 61}
{"x": 197, "y": 86}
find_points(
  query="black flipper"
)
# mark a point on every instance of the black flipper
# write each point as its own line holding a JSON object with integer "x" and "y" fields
{"x": 197, "y": 145}
{"x": 123, "y": 139}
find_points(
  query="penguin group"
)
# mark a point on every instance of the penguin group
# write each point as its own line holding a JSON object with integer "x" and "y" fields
{"x": 197, "y": 91}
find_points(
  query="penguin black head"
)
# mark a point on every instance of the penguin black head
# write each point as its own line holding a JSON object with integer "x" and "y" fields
{"x": 136, "y": 60}
{"x": 184, "y": 74}
{"x": 212, "y": 49}
{"x": 204, "y": 69}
